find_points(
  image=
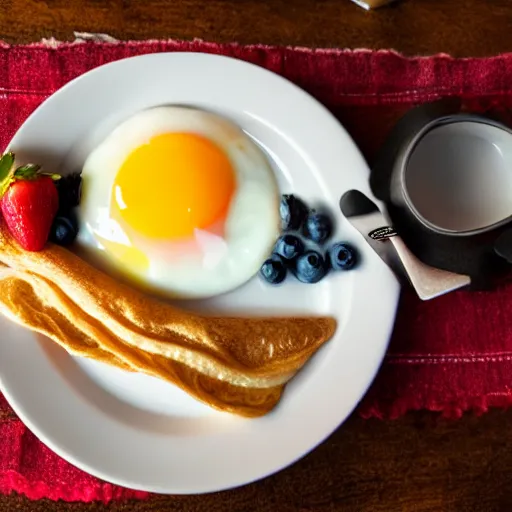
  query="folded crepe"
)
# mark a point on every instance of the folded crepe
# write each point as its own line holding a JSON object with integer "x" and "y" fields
{"x": 238, "y": 365}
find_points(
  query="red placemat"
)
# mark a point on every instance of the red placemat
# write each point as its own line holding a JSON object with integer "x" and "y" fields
{"x": 452, "y": 354}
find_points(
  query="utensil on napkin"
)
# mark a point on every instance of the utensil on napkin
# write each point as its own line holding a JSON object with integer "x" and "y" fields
{"x": 365, "y": 216}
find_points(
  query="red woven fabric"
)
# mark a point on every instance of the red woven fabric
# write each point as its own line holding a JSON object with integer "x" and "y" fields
{"x": 452, "y": 354}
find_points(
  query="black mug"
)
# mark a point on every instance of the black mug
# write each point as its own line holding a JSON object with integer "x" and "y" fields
{"x": 446, "y": 179}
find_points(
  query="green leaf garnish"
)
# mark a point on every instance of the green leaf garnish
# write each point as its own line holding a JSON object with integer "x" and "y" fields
{"x": 6, "y": 163}
{"x": 6, "y": 171}
{"x": 27, "y": 172}
{"x": 54, "y": 177}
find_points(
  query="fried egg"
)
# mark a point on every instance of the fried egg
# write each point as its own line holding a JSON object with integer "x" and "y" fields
{"x": 180, "y": 201}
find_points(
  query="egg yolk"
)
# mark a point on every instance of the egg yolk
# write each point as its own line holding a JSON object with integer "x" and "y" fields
{"x": 174, "y": 184}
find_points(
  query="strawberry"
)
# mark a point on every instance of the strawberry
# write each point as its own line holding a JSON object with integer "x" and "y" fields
{"x": 29, "y": 202}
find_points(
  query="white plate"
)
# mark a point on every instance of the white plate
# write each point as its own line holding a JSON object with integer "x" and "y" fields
{"x": 142, "y": 433}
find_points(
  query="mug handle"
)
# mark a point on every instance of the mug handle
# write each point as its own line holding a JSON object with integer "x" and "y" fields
{"x": 503, "y": 245}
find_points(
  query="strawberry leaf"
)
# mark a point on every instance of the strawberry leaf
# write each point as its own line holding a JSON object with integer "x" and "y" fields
{"x": 27, "y": 172}
{"x": 6, "y": 162}
{"x": 6, "y": 172}
{"x": 54, "y": 177}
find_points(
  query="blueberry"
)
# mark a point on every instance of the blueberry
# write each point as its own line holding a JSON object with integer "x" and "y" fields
{"x": 289, "y": 247}
{"x": 273, "y": 270}
{"x": 310, "y": 267}
{"x": 70, "y": 191}
{"x": 342, "y": 256}
{"x": 318, "y": 227}
{"x": 293, "y": 211}
{"x": 63, "y": 230}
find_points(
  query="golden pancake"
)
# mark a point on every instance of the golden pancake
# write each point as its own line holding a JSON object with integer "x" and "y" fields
{"x": 238, "y": 365}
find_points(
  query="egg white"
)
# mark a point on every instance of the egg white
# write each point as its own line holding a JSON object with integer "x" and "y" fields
{"x": 224, "y": 263}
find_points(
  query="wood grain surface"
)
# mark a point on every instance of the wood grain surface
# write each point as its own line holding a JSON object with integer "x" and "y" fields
{"x": 419, "y": 463}
{"x": 459, "y": 27}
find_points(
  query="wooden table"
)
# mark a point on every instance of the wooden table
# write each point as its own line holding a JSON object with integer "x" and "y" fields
{"x": 420, "y": 462}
